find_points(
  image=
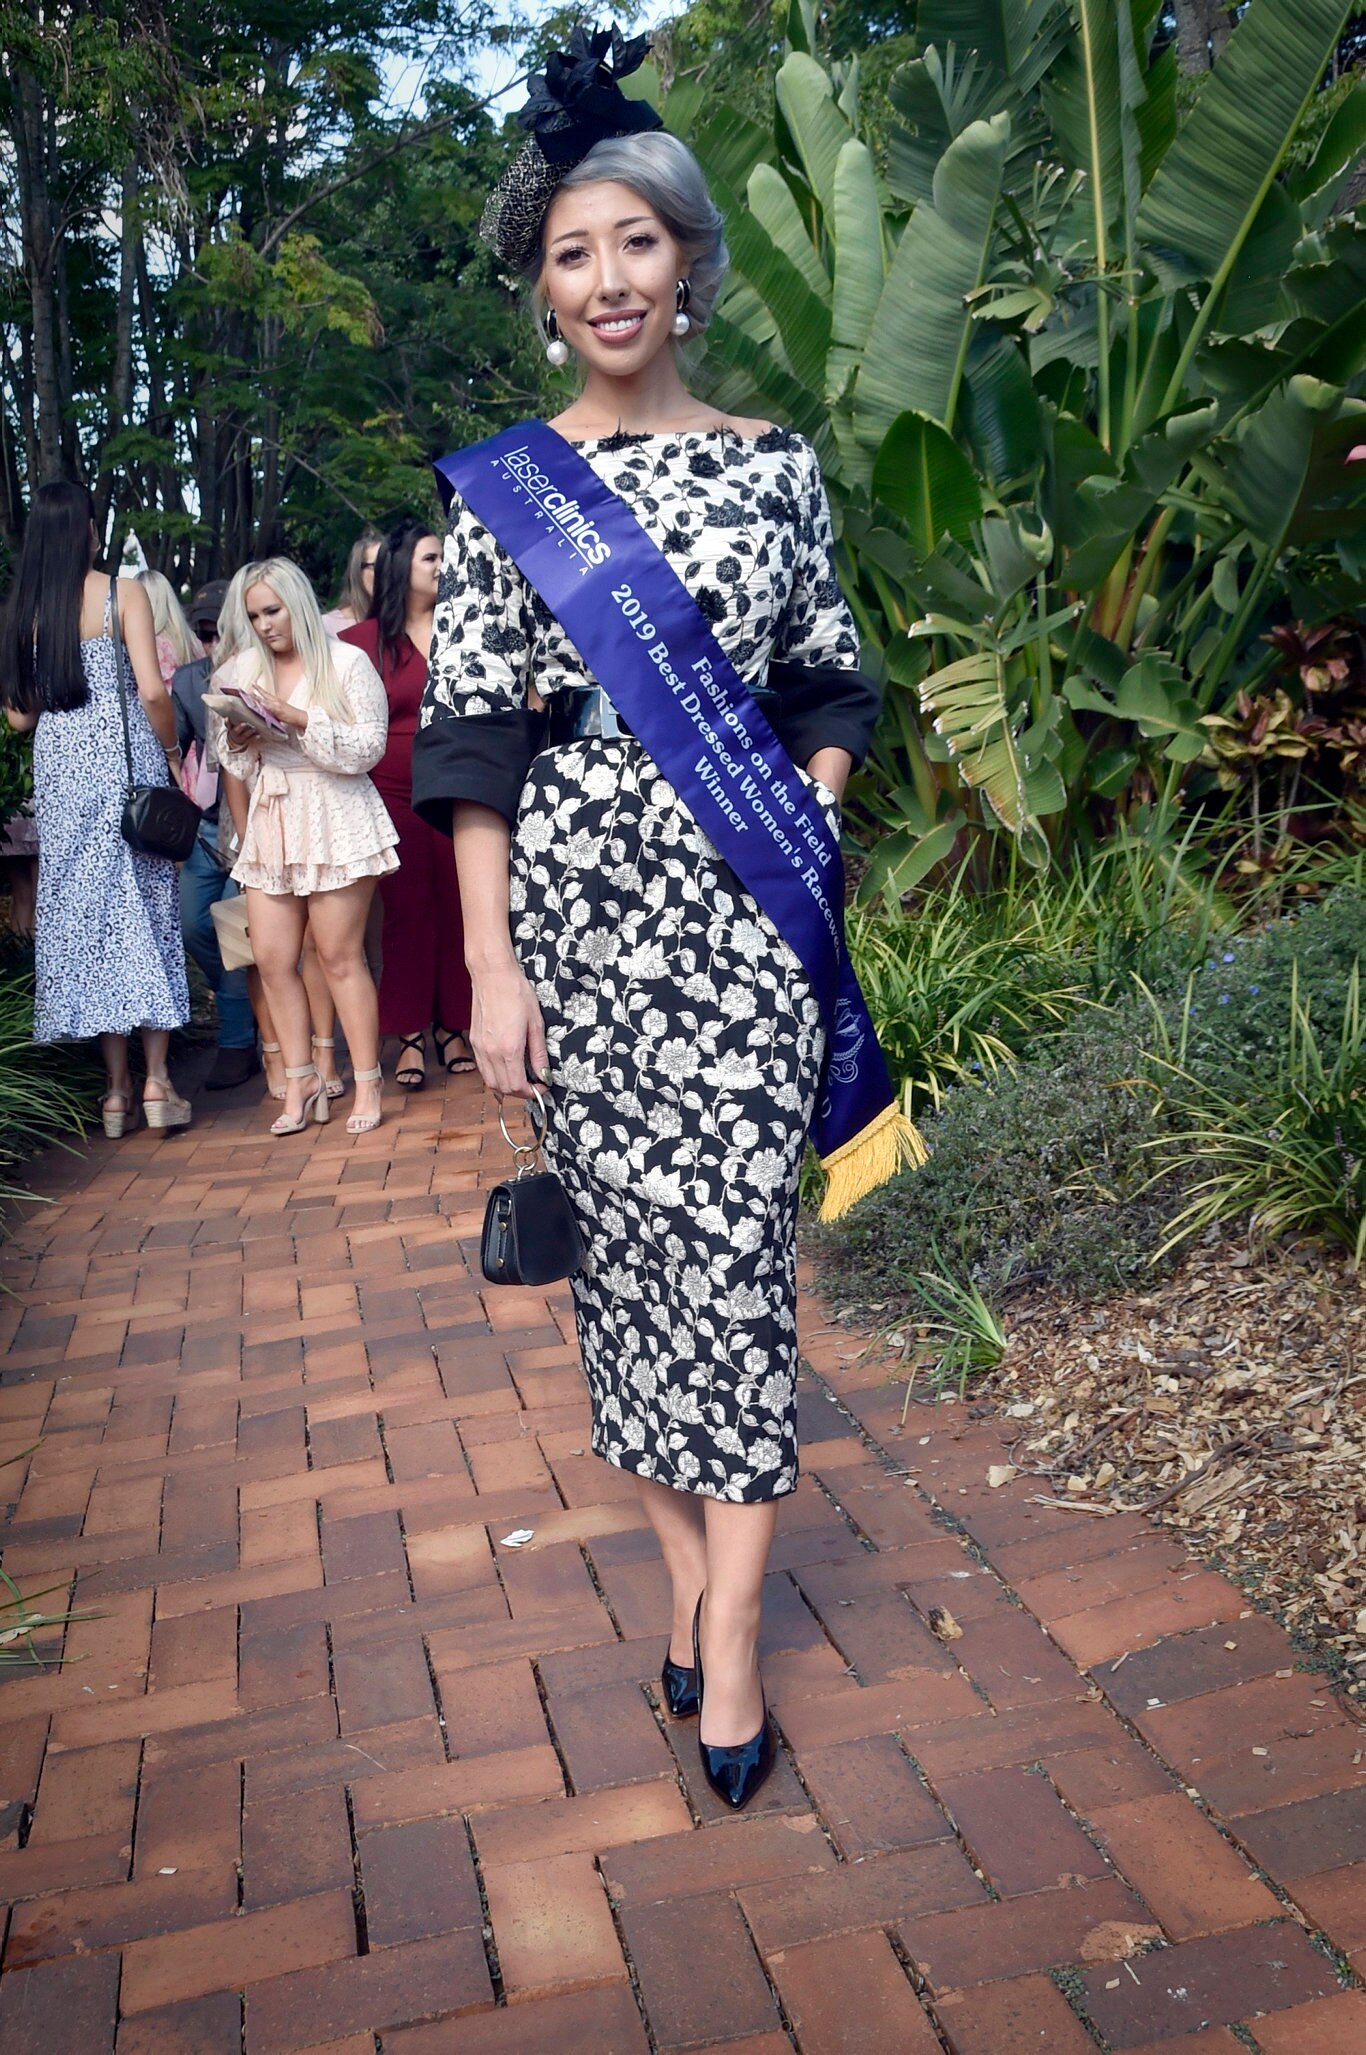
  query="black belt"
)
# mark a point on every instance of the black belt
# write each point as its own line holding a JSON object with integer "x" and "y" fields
{"x": 584, "y": 713}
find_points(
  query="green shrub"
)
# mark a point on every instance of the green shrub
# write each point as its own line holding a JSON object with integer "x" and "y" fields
{"x": 1230, "y": 1022}
{"x": 44, "y": 1092}
{"x": 1288, "y": 1150}
{"x": 965, "y": 982}
{"x": 1044, "y": 1173}
{"x": 16, "y": 771}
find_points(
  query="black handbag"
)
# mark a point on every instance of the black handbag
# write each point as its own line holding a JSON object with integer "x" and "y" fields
{"x": 158, "y": 820}
{"x": 530, "y": 1233}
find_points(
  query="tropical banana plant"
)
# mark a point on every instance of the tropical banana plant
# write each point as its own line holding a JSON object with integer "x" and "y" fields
{"x": 1083, "y": 377}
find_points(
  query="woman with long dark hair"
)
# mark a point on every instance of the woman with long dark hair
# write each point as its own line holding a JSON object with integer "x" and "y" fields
{"x": 109, "y": 952}
{"x": 424, "y": 978}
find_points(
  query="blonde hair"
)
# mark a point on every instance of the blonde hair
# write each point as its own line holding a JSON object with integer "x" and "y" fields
{"x": 234, "y": 629}
{"x": 168, "y": 616}
{"x": 311, "y": 639}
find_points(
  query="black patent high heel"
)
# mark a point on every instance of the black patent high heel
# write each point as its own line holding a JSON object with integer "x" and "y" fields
{"x": 735, "y": 1774}
{"x": 679, "y": 1685}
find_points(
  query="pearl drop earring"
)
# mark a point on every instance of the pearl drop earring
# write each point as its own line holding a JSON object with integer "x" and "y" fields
{"x": 557, "y": 349}
{"x": 682, "y": 324}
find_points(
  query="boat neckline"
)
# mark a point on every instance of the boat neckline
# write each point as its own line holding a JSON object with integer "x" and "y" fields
{"x": 673, "y": 434}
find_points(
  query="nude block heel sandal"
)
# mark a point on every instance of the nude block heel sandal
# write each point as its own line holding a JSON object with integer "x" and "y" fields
{"x": 333, "y": 1086}
{"x": 316, "y": 1106}
{"x": 365, "y": 1123}
{"x": 273, "y": 1049}
{"x": 172, "y": 1111}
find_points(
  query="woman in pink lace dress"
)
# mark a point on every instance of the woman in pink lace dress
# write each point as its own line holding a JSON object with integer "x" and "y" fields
{"x": 317, "y": 833}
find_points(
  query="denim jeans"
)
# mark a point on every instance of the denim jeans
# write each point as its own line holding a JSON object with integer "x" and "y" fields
{"x": 202, "y": 885}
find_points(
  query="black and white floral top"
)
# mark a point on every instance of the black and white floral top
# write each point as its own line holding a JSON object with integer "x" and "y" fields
{"x": 745, "y": 523}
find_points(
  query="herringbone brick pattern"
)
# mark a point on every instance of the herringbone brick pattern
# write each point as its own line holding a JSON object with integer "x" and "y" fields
{"x": 333, "y": 1766}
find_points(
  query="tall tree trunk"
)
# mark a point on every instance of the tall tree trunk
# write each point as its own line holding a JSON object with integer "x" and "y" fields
{"x": 160, "y": 421}
{"x": 268, "y": 506}
{"x": 121, "y": 381}
{"x": 40, "y": 269}
{"x": 11, "y": 484}
{"x": 1203, "y": 28}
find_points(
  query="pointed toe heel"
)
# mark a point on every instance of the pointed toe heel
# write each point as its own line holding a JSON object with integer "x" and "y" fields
{"x": 679, "y": 1685}
{"x": 734, "y": 1774}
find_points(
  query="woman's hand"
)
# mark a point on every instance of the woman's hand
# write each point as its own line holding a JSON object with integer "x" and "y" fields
{"x": 283, "y": 709}
{"x": 832, "y": 766}
{"x": 507, "y": 1033}
{"x": 242, "y": 740}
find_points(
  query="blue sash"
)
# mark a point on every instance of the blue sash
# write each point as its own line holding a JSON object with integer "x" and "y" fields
{"x": 646, "y": 642}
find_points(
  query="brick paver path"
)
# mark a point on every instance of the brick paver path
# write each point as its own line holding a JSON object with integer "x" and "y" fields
{"x": 341, "y": 1768}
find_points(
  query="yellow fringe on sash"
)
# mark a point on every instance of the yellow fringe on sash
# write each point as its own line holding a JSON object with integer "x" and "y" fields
{"x": 888, "y": 1144}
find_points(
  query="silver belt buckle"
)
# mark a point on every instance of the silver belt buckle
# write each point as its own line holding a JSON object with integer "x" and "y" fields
{"x": 609, "y": 727}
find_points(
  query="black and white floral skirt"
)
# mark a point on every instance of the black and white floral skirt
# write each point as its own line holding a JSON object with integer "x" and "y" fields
{"x": 685, "y": 1050}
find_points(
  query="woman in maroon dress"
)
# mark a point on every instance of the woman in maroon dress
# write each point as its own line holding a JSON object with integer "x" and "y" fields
{"x": 424, "y": 978}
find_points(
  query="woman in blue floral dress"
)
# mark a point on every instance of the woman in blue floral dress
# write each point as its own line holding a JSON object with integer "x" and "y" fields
{"x": 109, "y": 953}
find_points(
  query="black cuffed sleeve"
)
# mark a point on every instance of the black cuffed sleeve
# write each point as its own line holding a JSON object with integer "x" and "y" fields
{"x": 480, "y": 758}
{"x": 823, "y": 706}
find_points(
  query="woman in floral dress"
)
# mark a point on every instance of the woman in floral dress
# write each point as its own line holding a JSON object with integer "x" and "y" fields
{"x": 612, "y": 952}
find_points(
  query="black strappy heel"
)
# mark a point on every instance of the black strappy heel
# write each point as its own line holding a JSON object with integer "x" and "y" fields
{"x": 454, "y": 1066}
{"x": 411, "y": 1080}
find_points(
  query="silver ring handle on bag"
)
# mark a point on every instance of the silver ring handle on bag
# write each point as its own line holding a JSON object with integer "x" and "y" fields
{"x": 536, "y": 1114}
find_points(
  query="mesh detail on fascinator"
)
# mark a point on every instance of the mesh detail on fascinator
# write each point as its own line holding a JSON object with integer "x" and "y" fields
{"x": 575, "y": 103}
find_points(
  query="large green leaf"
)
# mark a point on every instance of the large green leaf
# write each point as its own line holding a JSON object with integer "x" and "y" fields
{"x": 1002, "y": 412}
{"x": 970, "y": 706}
{"x": 1333, "y": 282}
{"x": 922, "y": 475}
{"x": 1015, "y": 39}
{"x": 1086, "y": 105}
{"x": 729, "y": 146}
{"x": 919, "y": 339}
{"x": 1075, "y": 453}
{"x": 1252, "y": 299}
{"x": 818, "y": 128}
{"x": 1199, "y": 208}
{"x": 859, "y": 273}
{"x": 915, "y": 144}
{"x": 1340, "y": 147}
{"x": 1157, "y": 118}
{"x": 1263, "y": 472}
{"x": 978, "y": 61}
{"x": 900, "y": 860}
{"x": 789, "y": 399}
{"x": 801, "y": 318}
{"x": 774, "y": 207}
{"x": 1014, "y": 554}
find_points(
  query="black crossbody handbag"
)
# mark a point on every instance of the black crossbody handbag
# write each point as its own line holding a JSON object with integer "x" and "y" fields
{"x": 530, "y": 1233}
{"x": 158, "y": 820}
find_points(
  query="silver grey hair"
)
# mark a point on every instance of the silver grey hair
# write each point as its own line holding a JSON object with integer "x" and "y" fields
{"x": 662, "y": 169}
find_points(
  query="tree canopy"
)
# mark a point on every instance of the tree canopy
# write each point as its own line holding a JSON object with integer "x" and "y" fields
{"x": 241, "y": 293}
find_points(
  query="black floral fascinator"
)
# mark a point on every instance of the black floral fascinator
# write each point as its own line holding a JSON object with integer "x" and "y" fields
{"x": 575, "y": 102}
